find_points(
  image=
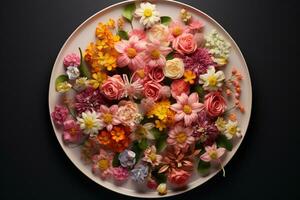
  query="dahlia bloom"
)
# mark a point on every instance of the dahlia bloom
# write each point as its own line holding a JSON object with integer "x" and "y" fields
{"x": 72, "y": 132}
{"x": 108, "y": 116}
{"x": 180, "y": 136}
{"x": 60, "y": 114}
{"x": 155, "y": 54}
{"x": 148, "y": 14}
{"x": 88, "y": 99}
{"x": 131, "y": 53}
{"x": 212, "y": 153}
{"x": 187, "y": 108}
{"x": 102, "y": 164}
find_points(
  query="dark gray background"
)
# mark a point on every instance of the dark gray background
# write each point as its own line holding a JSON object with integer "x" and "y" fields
{"x": 33, "y": 165}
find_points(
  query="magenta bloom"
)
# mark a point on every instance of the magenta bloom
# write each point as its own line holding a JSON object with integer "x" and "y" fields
{"x": 108, "y": 116}
{"x": 187, "y": 108}
{"x": 120, "y": 173}
{"x": 180, "y": 136}
{"x": 155, "y": 54}
{"x": 198, "y": 62}
{"x": 72, "y": 60}
{"x": 131, "y": 53}
{"x": 72, "y": 132}
{"x": 60, "y": 114}
{"x": 88, "y": 99}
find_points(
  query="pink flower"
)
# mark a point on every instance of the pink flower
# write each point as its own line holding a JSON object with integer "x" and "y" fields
{"x": 108, "y": 116}
{"x": 128, "y": 113}
{"x": 185, "y": 44}
{"x": 155, "y": 54}
{"x": 102, "y": 164}
{"x": 187, "y": 108}
{"x": 140, "y": 33}
{"x": 212, "y": 153}
{"x": 161, "y": 33}
{"x": 72, "y": 131}
{"x": 60, "y": 114}
{"x": 156, "y": 74}
{"x": 146, "y": 104}
{"x": 131, "y": 53}
{"x": 180, "y": 136}
{"x": 178, "y": 87}
{"x": 195, "y": 26}
{"x": 177, "y": 28}
{"x": 199, "y": 37}
{"x": 214, "y": 104}
{"x": 72, "y": 60}
{"x": 165, "y": 92}
{"x": 120, "y": 173}
{"x": 151, "y": 90}
{"x": 113, "y": 87}
{"x": 178, "y": 176}
{"x": 151, "y": 157}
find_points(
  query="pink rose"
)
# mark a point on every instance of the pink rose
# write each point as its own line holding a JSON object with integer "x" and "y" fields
{"x": 156, "y": 74}
{"x": 178, "y": 87}
{"x": 214, "y": 104}
{"x": 113, "y": 87}
{"x": 185, "y": 43}
{"x": 178, "y": 176}
{"x": 72, "y": 60}
{"x": 60, "y": 114}
{"x": 151, "y": 90}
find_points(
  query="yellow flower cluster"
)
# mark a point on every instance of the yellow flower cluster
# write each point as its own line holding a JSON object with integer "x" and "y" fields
{"x": 102, "y": 54}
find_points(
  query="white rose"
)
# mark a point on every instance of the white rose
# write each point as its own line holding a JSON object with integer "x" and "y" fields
{"x": 161, "y": 33}
{"x": 174, "y": 68}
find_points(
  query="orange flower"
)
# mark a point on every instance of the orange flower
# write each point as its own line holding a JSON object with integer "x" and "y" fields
{"x": 120, "y": 146}
{"x": 104, "y": 137}
{"x": 189, "y": 77}
{"x": 118, "y": 134}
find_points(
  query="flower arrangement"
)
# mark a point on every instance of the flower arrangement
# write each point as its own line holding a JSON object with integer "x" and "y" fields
{"x": 150, "y": 104}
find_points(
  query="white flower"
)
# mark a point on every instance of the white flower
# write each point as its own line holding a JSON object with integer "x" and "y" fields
{"x": 212, "y": 80}
{"x": 90, "y": 122}
{"x": 174, "y": 68}
{"x": 220, "y": 124}
{"x": 72, "y": 72}
{"x": 147, "y": 14}
{"x": 232, "y": 129}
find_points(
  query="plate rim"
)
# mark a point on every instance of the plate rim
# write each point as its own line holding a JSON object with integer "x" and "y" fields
{"x": 150, "y": 195}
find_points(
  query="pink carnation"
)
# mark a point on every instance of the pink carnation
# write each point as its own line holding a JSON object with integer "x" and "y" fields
{"x": 178, "y": 176}
{"x": 120, "y": 173}
{"x": 178, "y": 87}
{"x": 60, "y": 114}
{"x": 195, "y": 25}
{"x": 72, "y": 60}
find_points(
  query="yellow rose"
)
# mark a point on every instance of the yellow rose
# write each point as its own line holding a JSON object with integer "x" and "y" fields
{"x": 174, "y": 68}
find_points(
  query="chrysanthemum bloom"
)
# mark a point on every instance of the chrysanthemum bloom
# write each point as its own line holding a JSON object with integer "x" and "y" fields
{"x": 151, "y": 157}
{"x": 198, "y": 62}
{"x": 120, "y": 173}
{"x": 72, "y": 132}
{"x": 160, "y": 110}
{"x": 212, "y": 153}
{"x": 60, "y": 114}
{"x": 90, "y": 122}
{"x": 139, "y": 173}
{"x": 128, "y": 113}
{"x": 156, "y": 54}
{"x": 72, "y": 59}
{"x": 88, "y": 99}
{"x": 181, "y": 136}
{"x": 212, "y": 80}
{"x": 102, "y": 164}
{"x": 108, "y": 116}
{"x": 232, "y": 129}
{"x": 131, "y": 53}
{"x": 187, "y": 108}
{"x": 148, "y": 14}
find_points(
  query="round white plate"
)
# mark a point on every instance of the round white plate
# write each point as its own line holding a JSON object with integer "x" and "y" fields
{"x": 84, "y": 34}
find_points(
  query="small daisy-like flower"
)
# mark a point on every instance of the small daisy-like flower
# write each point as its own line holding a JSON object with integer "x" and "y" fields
{"x": 180, "y": 136}
{"x": 148, "y": 14}
{"x": 232, "y": 129}
{"x": 212, "y": 80}
{"x": 189, "y": 77}
{"x": 80, "y": 83}
{"x": 90, "y": 123}
{"x": 220, "y": 124}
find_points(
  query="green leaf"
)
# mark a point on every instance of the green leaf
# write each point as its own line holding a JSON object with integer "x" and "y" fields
{"x": 60, "y": 79}
{"x": 143, "y": 144}
{"x": 203, "y": 167}
{"x": 159, "y": 177}
{"x": 170, "y": 56}
{"x": 84, "y": 70}
{"x": 160, "y": 139}
{"x": 222, "y": 141}
{"x": 165, "y": 20}
{"x": 116, "y": 161}
{"x": 128, "y": 11}
{"x": 123, "y": 34}
{"x": 199, "y": 89}
{"x": 137, "y": 150}
{"x": 156, "y": 133}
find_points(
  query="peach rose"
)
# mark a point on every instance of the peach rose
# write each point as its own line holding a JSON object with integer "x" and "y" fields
{"x": 156, "y": 74}
{"x": 214, "y": 104}
{"x": 113, "y": 87}
{"x": 178, "y": 176}
{"x": 174, "y": 68}
{"x": 161, "y": 33}
{"x": 152, "y": 90}
{"x": 178, "y": 87}
{"x": 185, "y": 43}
